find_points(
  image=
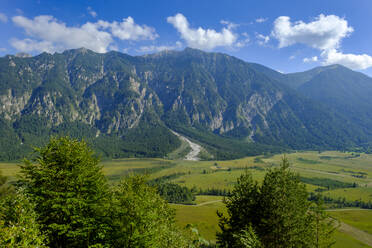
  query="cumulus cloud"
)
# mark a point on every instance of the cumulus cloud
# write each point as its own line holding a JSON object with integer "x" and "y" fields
{"x": 312, "y": 59}
{"x": 262, "y": 39}
{"x": 152, "y": 48}
{"x": 261, "y": 20}
{"x": 353, "y": 61}
{"x": 29, "y": 45}
{"x": 49, "y": 30}
{"x": 48, "y": 34}
{"x": 243, "y": 42}
{"x": 92, "y": 12}
{"x": 3, "y": 18}
{"x": 202, "y": 38}
{"x": 325, "y": 32}
{"x": 129, "y": 30}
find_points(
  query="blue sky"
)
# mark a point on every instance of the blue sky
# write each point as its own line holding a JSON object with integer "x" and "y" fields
{"x": 287, "y": 36}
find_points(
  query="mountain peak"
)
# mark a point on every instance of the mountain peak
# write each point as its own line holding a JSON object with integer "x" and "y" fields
{"x": 23, "y": 55}
{"x": 81, "y": 50}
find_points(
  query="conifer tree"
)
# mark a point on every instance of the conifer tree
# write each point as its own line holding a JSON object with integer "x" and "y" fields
{"x": 323, "y": 225}
{"x": 275, "y": 214}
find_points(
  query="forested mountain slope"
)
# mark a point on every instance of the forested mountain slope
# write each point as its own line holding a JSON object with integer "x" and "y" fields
{"x": 125, "y": 105}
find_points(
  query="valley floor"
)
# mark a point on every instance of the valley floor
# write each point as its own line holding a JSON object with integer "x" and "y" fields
{"x": 346, "y": 177}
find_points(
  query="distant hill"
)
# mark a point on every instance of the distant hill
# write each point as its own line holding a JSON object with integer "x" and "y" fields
{"x": 125, "y": 105}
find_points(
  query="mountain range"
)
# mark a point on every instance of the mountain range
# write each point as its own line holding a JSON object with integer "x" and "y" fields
{"x": 126, "y": 106}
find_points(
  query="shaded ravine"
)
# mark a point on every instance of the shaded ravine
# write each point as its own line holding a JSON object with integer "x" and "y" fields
{"x": 195, "y": 148}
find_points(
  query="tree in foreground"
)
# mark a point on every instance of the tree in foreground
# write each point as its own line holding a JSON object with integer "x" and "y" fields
{"x": 73, "y": 205}
{"x": 274, "y": 214}
{"x": 69, "y": 191}
{"x": 18, "y": 225}
{"x": 324, "y": 227}
{"x": 141, "y": 218}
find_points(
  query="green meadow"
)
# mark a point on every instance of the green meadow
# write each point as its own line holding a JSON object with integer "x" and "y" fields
{"x": 361, "y": 219}
{"x": 317, "y": 169}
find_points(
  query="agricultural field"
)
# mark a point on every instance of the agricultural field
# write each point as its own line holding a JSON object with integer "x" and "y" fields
{"x": 338, "y": 175}
{"x": 358, "y": 218}
{"x": 203, "y": 215}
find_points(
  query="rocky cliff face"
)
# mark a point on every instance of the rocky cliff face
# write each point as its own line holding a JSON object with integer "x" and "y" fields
{"x": 111, "y": 94}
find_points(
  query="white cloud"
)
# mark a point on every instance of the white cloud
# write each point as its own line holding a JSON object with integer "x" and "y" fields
{"x": 29, "y": 45}
{"x": 202, "y": 38}
{"x": 244, "y": 41}
{"x": 353, "y": 61}
{"x": 292, "y": 57}
{"x": 92, "y": 12}
{"x": 3, "y": 18}
{"x": 47, "y": 29}
{"x": 262, "y": 39}
{"x": 129, "y": 30}
{"x": 48, "y": 34}
{"x": 228, "y": 24}
{"x": 152, "y": 48}
{"x": 312, "y": 59}
{"x": 325, "y": 32}
{"x": 261, "y": 20}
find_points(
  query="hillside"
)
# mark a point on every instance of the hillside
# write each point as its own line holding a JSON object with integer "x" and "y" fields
{"x": 125, "y": 105}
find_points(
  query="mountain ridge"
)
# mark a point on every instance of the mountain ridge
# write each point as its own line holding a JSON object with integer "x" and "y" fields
{"x": 131, "y": 101}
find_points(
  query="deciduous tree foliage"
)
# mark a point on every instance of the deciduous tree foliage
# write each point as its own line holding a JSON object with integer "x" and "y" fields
{"x": 69, "y": 191}
{"x": 277, "y": 212}
{"x": 71, "y": 202}
{"x": 141, "y": 218}
{"x": 18, "y": 225}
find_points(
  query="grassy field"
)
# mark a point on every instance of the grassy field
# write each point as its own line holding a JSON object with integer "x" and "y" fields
{"x": 344, "y": 240}
{"x": 331, "y": 165}
{"x": 204, "y": 217}
{"x": 361, "y": 219}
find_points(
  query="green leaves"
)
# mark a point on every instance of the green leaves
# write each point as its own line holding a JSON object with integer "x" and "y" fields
{"x": 141, "y": 218}
{"x": 276, "y": 213}
{"x": 18, "y": 222}
{"x": 69, "y": 190}
{"x": 73, "y": 206}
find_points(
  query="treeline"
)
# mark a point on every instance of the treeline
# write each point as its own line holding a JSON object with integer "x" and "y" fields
{"x": 148, "y": 139}
{"x": 171, "y": 192}
{"x": 341, "y": 202}
{"x": 327, "y": 183}
{"x": 174, "y": 193}
{"x": 214, "y": 191}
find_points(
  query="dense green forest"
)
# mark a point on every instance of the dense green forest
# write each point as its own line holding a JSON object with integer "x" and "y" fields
{"x": 62, "y": 199}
